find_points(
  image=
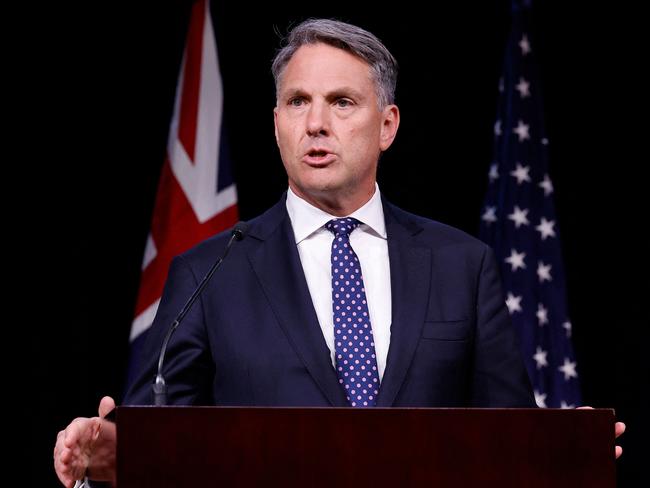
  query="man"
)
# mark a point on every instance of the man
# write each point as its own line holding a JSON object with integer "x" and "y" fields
{"x": 335, "y": 297}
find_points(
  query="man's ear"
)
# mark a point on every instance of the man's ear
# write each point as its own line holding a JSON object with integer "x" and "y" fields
{"x": 389, "y": 126}
{"x": 275, "y": 124}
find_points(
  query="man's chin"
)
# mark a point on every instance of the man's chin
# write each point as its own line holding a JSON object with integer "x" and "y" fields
{"x": 319, "y": 183}
{"x": 317, "y": 190}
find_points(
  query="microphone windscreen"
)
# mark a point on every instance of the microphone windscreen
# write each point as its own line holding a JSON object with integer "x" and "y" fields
{"x": 240, "y": 230}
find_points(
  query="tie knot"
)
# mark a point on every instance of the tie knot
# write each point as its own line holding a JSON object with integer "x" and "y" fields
{"x": 342, "y": 226}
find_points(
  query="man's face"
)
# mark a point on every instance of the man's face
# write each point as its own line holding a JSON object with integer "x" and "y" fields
{"x": 329, "y": 128}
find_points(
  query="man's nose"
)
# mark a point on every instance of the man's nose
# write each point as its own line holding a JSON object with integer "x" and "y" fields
{"x": 318, "y": 119}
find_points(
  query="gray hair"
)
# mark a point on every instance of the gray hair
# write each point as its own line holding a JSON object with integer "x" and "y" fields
{"x": 350, "y": 38}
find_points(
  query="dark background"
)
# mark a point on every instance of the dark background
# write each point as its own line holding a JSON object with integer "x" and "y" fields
{"x": 105, "y": 81}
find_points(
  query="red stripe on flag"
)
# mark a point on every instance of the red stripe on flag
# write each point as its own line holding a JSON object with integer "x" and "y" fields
{"x": 192, "y": 79}
{"x": 174, "y": 230}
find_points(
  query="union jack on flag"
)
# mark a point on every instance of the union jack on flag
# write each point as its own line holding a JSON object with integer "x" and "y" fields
{"x": 519, "y": 222}
{"x": 196, "y": 195}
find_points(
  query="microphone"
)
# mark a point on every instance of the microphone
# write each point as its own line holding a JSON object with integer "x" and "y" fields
{"x": 159, "y": 386}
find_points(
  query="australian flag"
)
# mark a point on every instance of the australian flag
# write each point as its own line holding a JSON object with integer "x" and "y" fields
{"x": 519, "y": 222}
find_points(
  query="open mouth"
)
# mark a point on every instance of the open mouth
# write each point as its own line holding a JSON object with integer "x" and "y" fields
{"x": 318, "y": 157}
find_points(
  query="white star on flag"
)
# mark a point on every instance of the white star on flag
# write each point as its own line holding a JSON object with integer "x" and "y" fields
{"x": 540, "y": 399}
{"x": 545, "y": 227}
{"x": 513, "y": 303}
{"x": 516, "y": 260}
{"x": 524, "y": 45}
{"x": 489, "y": 215}
{"x": 521, "y": 173}
{"x": 519, "y": 216}
{"x": 497, "y": 128}
{"x": 542, "y": 315}
{"x": 523, "y": 87}
{"x": 522, "y": 130}
{"x": 567, "y": 326}
{"x": 540, "y": 358}
{"x": 494, "y": 172}
{"x": 546, "y": 185}
{"x": 544, "y": 272}
{"x": 569, "y": 369}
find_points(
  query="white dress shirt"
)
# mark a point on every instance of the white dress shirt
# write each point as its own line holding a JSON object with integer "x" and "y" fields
{"x": 369, "y": 241}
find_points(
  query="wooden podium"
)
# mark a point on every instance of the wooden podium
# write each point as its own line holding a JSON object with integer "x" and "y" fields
{"x": 377, "y": 447}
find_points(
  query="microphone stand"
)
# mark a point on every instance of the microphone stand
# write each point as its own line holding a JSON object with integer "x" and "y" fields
{"x": 159, "y": 385}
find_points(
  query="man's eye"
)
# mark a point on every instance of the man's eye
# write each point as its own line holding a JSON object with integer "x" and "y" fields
{"x": 296, "y": 102}
{"x": 343, "y": 102}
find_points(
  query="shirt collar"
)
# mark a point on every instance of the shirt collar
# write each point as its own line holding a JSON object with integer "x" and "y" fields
{"x": 307, "y": 219}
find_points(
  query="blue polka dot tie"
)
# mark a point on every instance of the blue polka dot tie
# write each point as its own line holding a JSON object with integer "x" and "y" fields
{"x": 356, "y": 362}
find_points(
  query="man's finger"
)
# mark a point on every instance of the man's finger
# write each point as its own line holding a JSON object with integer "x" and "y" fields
{"x": 80, "y": 432}
{"x": 73, "y": 432}
{"x": 619, "y": 428}
{"x": 59, "y": 443}
{"x": 63, "y": 471}
{"x": 106, "y": 405}
{"x": 65, "y": 456}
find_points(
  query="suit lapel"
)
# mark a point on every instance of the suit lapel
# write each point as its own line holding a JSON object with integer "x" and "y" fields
{"x": 410, "y": 271}
{"x": 275, "y": 259}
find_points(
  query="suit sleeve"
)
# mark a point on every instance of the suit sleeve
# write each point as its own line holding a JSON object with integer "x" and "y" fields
{"x": 499, "y": 375}
{"x": 188, "y": 367}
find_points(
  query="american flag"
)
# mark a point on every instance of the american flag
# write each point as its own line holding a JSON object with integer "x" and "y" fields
{"x": 519, "y": 222}
{"x": 196, "y": 194}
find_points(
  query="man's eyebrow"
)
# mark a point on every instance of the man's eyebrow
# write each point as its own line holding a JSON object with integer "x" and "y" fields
{"x": 345, "y": 92}
{"x": 293, "y": 92}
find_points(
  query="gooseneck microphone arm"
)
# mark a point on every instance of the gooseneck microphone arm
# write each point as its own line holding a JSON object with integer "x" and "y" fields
{"x": 159, "y": 385}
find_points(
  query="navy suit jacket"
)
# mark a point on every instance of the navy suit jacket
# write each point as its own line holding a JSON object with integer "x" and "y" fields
{"x": 253, "y": 337}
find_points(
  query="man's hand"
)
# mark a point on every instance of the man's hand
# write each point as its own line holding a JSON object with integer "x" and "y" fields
{"x": 619, "y": 428}
{"x": 87, "y": 448}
